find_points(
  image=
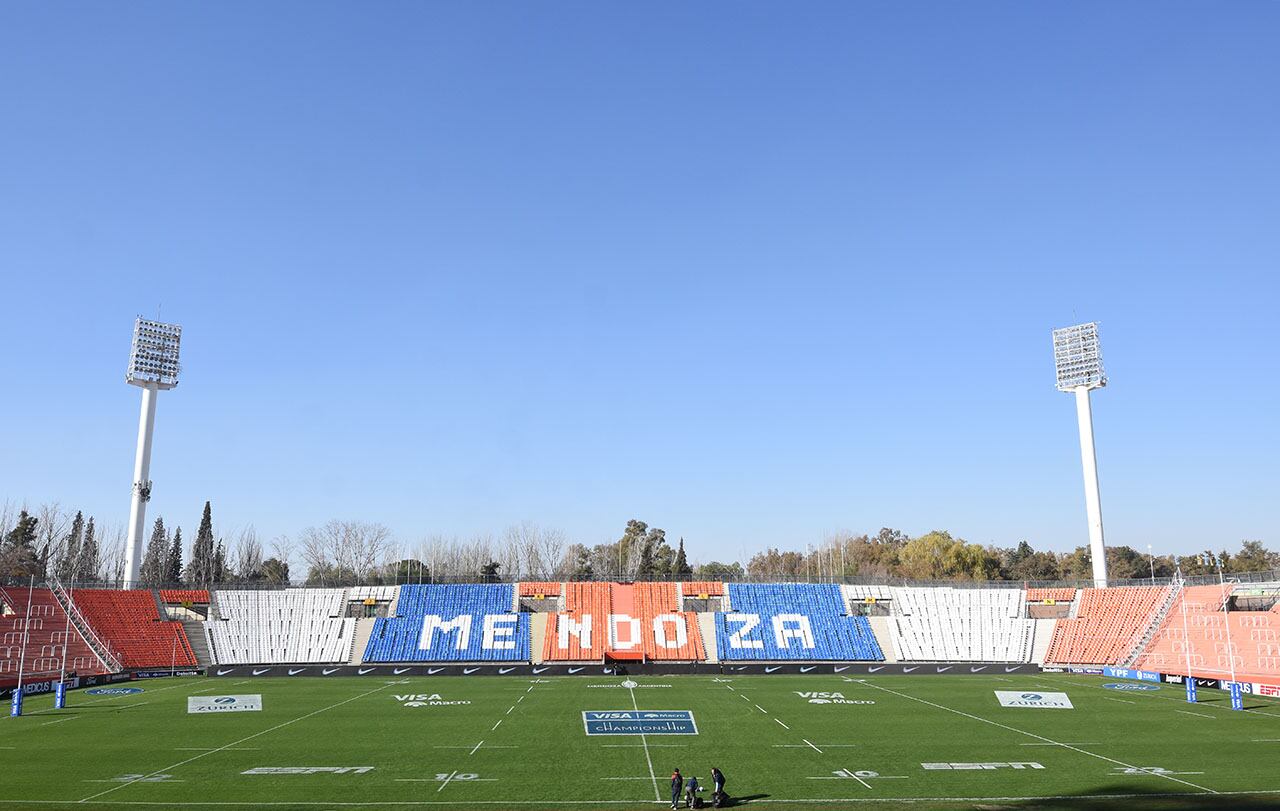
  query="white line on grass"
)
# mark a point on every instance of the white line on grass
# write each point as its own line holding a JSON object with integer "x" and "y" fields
{"x": 495, "y": 726}
{"x": 233, "y": 743}
{"x": 1119, "y": 700}
{"x": 473, "y": 751}
{"x": 556, "y": 803}
{"x": 1055, "y": 743}
{"x": 446, "y": 782}
{"x": 762, "y": 709}
{"x": 638, "y": 746}
{"x": 1031, "y": 735}
{"x": 644, "y": 741}
{"x": 1197, "y": 714}
{"x": 816, "y": 749}
{"x": 784, "y": 726}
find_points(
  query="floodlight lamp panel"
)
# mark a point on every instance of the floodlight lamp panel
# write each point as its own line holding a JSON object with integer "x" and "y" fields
{"x": 153, "y": 358}
{"x": 1077, "y": 357}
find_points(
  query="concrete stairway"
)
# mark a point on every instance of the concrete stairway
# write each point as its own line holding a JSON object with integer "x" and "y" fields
{"x": 1041, "y": 637}
{"x": 707, "y": 625}
{"x": 194, "y": 630}
{"x": 360, "y": 639}
{"x": 884, "y": 636}
{"x": 537, "y": 635}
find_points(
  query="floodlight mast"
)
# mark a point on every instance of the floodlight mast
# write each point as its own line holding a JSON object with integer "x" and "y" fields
{"x": 1078, "y": 359}
{"x": 153, "y": 367}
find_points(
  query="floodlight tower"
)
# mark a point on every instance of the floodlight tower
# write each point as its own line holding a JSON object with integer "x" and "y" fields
{"x": 1078, "y": 359}
{"x": 153, "y": 367}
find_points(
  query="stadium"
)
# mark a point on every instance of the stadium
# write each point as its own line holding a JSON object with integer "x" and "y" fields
{"x": 588, "y": 694}
{"x": 454, "y": 290}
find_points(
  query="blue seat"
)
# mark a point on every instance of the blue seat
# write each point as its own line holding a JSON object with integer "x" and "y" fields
{"x": 792, "y": 621}
{"x": 462, "y": 610}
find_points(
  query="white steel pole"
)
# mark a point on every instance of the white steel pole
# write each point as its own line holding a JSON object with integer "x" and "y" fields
{"x": 1226, "y": 618}
{"x": 1186, "y": 639}
{"x": 141, "y": 487}
{"x": 1092, "y": 496}
{"x": 26, "y": 633}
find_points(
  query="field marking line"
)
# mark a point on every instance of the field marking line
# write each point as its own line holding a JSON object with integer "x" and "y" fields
{"x": 495, "y": 726}
{"x": 644, "y": 740}
{"x": 637, "y": 746}
{"x": 1031, "y": 735}
{"x": 558, "y": 803}
{"x": 446, "y": 782}
{"x": 863, "y": 782}
{"x": 509, "y": 709}
{"x": 762, "y": 709}
{"x": 1120, "y": 700}
{"x": 1255, "y": 740}
{"x": 473, "y": 751}
{"x": 233, "y": 743}
{"x": 491, "y": 746}
{"x": 1197, "y": 714}
{"x": 210, "y": 748}
{"x": 625, "y": 778}
{"x": 60, "y": 720}
{"x": 518, "y": 700}
{"x": 784, "y": 726}
{"x": 1055, "y": 743}
{"x": 816, "y": 749}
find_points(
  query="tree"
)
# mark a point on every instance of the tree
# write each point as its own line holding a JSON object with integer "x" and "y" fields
{"x": 680, "y": 568}
{"x": 18, "y": 552}
{"x": 719, "y": 571}
{"x": 938, "y": 556}
{"x": 353, "y": 549}
{"x": 489, "y": 572}
{"x": 646, "y": 569}
{"x": 582, "y": 568}
{"x": 1126, "y": 563}
{"x": 155, "y": 561}
{"x": 275, "y": 571}
{"x": 87, "y": 562}
{"x": 220, "y": 563}
{"x": 173, "y": 565}
{"x": 200, "y": 570}
{"x": 68, "y": 563}
{"x": 1254, "y": 557}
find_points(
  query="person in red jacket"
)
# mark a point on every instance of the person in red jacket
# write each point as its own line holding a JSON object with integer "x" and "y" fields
{"x": 677, "y": 783}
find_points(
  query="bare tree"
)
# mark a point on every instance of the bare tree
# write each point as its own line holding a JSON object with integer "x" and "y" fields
{"x": 345, "y": 550}
{"x": 247, "y": 555}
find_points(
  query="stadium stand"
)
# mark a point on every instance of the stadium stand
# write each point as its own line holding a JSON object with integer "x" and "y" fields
{"x": 946, "y": 624}
{"x": 779, "y": 621}
{"x": 46, "y": 635}
{"x": 581, "y": 632}
{"x": 541, "y": 589}
{"x": 631, "y": 620}
{"x": 1057, "y": 595}
{"x": 181, "y": 596}
{"x": 697, "y": 588}
{"x": 1107, "y": 625}
{"x": 454, "y": 623}
{"x": 289, "y": 626}
{"x": 379, "y": 593}
{"x": 1254, "y": 642}
{"x": 129, "y": 622}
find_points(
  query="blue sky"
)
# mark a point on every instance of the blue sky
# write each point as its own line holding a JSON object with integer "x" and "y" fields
{"x": 749, "y": 272}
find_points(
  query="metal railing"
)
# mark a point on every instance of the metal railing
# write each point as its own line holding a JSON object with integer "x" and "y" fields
{"x": 99, "y": 647}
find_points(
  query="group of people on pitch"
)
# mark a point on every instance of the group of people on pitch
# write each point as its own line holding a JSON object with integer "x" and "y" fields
{"x": 692, "y": 787}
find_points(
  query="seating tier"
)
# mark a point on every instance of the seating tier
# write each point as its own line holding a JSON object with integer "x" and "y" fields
{"x": 802, "y": 621}
{"x": 1107, "y": 626}
{"x": 289, "y": 626}
{"x": 1248, "y": 641}
{"x": 129, "y": 623}
{"x": 960, "y": 625}
{"x": 451, "y": 623}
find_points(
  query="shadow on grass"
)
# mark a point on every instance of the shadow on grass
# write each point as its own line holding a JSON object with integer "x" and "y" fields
{"x": 1129, "y": 796}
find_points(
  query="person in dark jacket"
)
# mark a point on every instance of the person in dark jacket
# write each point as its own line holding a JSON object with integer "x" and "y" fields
{"x": 677, "y": 783}
{"x": 691, "y": 790}
{"x": 717, "y": 780}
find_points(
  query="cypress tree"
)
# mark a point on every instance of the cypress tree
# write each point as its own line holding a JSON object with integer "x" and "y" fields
{"x": 680, "y": 568}
{"x": 68, "y": 566}
{"x": 87, "y": 563}
{"x": 153, "y": 563}
{"x": 200, "y": 570}
{"x": 173, "y": 567}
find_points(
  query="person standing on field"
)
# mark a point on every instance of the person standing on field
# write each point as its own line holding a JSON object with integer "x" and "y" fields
{"x": 677, "y": 783}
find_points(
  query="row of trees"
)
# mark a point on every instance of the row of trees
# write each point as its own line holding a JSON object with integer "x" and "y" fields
{"x": 54, "y": 542}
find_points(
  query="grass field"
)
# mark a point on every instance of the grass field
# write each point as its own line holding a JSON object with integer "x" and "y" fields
{"x": 522, "y": 743}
